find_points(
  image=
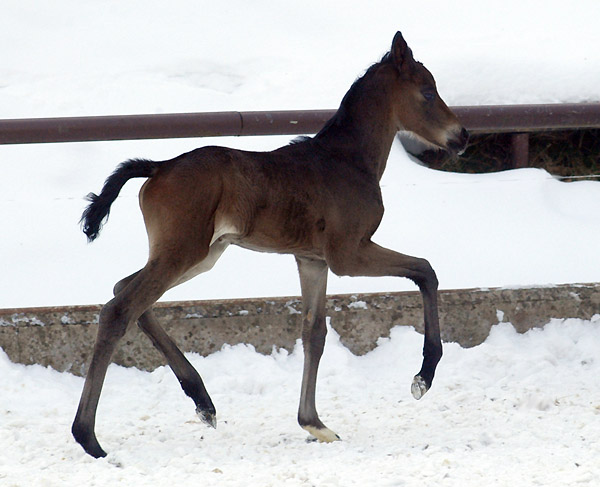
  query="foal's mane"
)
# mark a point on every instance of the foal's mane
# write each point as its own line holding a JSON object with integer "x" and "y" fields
{"x": 351, "y": 95}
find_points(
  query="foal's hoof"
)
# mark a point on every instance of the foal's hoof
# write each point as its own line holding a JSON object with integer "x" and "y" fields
{"x": 324, "y": 435}
{"x": 418, "y": 387}
{"x": 208, "y": 417}
{"x": 87, "y": 439}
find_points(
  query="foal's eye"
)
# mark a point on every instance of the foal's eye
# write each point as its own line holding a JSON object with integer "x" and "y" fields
{"x": 428, "y": 94}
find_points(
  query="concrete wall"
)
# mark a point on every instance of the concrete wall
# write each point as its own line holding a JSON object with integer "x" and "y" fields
{"x": 63, "y": 337}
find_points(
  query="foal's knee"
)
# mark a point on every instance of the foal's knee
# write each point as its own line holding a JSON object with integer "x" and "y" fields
{"x": 425, "y": 276}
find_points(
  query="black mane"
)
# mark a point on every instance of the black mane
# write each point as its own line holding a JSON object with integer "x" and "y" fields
{"x": 349, "y": 97}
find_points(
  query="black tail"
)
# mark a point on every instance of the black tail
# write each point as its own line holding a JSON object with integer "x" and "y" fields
{"x": 97, "y": 212}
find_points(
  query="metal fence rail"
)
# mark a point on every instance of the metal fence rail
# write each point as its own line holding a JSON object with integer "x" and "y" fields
{"x": 477, "y": 119}
{"x": 518, "y": 120}
{"x": 493, "y": 119}
{"x": 161, "y": 126}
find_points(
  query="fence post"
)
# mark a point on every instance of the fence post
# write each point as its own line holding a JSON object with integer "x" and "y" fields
{"x": 519, "y": 145}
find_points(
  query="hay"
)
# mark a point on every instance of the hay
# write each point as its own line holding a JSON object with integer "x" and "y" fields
{"x": 569, "y": 154}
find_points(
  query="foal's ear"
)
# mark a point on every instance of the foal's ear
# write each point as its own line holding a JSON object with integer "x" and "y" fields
{"x": 401, "y": 54}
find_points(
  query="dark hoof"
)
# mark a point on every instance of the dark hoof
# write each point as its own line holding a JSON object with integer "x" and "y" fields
{"x": 88, "y": 442}
{"x": 95, "y": 450}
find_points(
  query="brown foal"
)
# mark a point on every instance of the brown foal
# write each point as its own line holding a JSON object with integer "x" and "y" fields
{"x": 318, "y": 199}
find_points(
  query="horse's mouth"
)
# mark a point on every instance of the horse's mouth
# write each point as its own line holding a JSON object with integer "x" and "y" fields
{"x": 458, "y": 145}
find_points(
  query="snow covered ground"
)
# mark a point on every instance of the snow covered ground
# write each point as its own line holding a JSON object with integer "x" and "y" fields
{"x": 517, "y": 410}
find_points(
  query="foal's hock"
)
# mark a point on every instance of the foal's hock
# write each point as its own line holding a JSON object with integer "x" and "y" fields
{"x": 318, "y": 199}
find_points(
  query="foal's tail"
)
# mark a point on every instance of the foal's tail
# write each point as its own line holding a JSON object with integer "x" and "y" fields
{"x": 97, "y": 212}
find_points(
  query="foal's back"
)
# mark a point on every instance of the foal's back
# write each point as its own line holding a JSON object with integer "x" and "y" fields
{"x": 291, "y": 200}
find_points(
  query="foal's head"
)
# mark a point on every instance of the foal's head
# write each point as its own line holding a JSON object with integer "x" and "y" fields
{"x": 417, "y": 106}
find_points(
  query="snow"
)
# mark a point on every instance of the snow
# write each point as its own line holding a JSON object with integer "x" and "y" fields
{"x": 517, "y": 410}
{"x": 358, "y": 305}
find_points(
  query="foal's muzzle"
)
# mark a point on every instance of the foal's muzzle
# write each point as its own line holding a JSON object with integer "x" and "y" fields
{"x": 458, "y": 143}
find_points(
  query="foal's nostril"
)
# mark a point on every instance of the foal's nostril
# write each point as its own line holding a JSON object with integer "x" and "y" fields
{"x": 458, "y": 143}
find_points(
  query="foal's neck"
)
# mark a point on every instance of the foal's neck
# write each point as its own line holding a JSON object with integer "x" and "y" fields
{"x": 364, "y": 126}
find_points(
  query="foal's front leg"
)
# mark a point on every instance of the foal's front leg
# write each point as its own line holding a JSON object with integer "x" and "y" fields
{"x": 369, "y": 259}
{"x": 313, "y": 280}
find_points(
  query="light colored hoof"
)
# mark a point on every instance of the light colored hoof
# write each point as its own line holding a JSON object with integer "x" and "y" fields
{"x": 207, "y": 417}
{"x": 324, "y": 435}
{"x": 418, "y": 387}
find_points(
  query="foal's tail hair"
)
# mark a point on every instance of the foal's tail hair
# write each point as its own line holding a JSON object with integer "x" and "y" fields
{"x": 96, "y": 214}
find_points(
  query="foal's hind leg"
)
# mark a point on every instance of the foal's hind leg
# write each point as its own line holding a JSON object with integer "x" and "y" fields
{"x": 143, "y": 290}
{"x": 188, "y": 377}
{"x": 313, "y": 280}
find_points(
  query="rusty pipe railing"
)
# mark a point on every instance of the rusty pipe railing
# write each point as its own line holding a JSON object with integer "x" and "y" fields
{"x": 161, "y": 126}
{"x": 477, "y": 119}
{"x": 494, "y": 119}
{"x": 520, "y": 120}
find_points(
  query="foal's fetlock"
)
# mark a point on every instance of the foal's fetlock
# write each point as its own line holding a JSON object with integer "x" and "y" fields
{"x": 432, "y": 352}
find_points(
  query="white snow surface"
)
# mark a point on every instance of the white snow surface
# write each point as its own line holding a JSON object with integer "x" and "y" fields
{"x": 516, "y": 410}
